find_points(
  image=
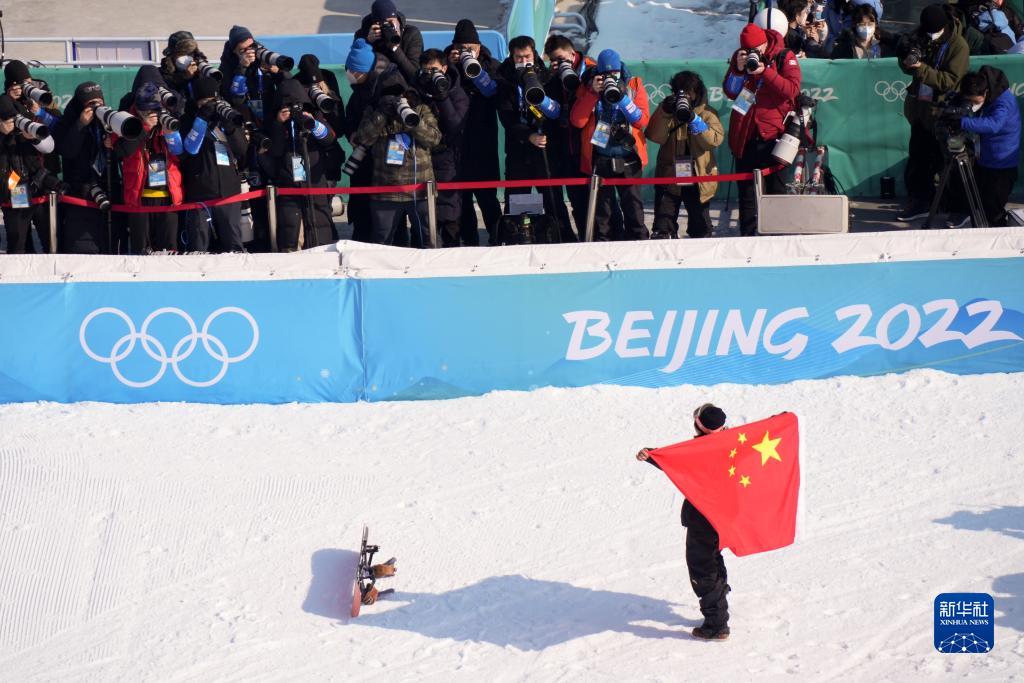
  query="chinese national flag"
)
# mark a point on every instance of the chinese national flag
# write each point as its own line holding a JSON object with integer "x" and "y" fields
{"x": 745, "y": 480}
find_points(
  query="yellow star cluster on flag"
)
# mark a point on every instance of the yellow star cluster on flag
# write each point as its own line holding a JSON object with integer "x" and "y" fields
{"x": 767, "y": 448}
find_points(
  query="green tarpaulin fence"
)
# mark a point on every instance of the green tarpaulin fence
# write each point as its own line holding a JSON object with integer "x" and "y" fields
{"x": 860, "y": 110}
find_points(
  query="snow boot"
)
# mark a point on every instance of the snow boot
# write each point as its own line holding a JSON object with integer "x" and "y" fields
{"x": 384, "y": 570}
{"x": 707, "y": 633}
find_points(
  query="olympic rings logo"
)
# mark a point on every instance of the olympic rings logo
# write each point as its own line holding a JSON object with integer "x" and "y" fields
{"x": 891, "y": 92}
{"x": 183, "y": 348}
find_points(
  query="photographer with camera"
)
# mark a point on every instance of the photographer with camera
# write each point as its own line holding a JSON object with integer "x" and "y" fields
{"x": 25, "y": 178}
{"x": 300, "y": 139}
{"x": 611, "y": 111}
{"x": 182, "y": 61}
{"x": 397, "y": 41}
{"x": 764, "y": 81}
{"x": 214, "y": 155}
{"x": 987, "y": 108}
{"x": 151, "y": 171}
{"x": 440, "y": 86}
{"x": 528, "y": 114}
{"x": 31, "y": 95}
{"x": 251, "y": 74}
{"x": 936, "y": 56}
{"x": 478, "y": 158}
{"x": 83, "y": 137}
{"x": 865, "y": 39}
{"x": 568, "y": 66}
{"x": 688, "y": 131}
{"x": 400, "y": 132}
{"x": 806, "y": 35}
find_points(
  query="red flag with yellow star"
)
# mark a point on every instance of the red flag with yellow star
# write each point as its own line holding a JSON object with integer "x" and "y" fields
{"x": 745, "y": 480}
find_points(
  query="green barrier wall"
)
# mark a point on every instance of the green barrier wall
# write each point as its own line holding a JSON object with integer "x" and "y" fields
{"x": 860, "y": 110}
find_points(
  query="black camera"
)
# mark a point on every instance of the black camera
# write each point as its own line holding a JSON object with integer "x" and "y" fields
{"x": 226, "y": 113}
{"x": 322, "y": 100}
{"x": 389, "y": 33}
{"x": 268, "y": 59}
{"x": 257, "y": 139}
{"x": 44, "y": 182}
{"x": 470, "y": 64}
{"x": 97, "y": 196}
{"x": 947, "y": 125}
{"x": 570, "y": 79}
{"x": 303, "y": 122}
{"x": 168, "y": 122}
{"x": 911, "y": 49}
{"x": 529, "y": 81}
{"x": 611, "y": 91}
{"x": 40, "y": 95}
{"x": 682, "y": 108}
{"x": 435, "y": 83}
{"x": 206, "y": 70}
{"x": 752, "y": 61}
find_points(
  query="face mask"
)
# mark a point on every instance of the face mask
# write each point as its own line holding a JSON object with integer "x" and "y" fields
{"x": 935, "y": 36}
{"x": 351, "y": 77}
{"x": 976, "y": 107}
{"x": 865, "y": 32}
{"x": 183, "y": 62}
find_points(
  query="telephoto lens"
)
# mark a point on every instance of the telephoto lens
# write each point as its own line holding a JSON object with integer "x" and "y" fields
{"x": 168, "y": 122}
{"x": 120, "y": 123}
{"x": 97, "y": 196}
{"x": 788, "y": 145}
{"x": 611, "y": 92}
{"x": 322, "y": 100}
{"x": 168, "y": 98}
{"x": 530, "y": 83}
{"x": 470, "y": 64}
{"x": 40, "y": 95}
{"x": 31, "y": 128}
{"x": 570, "y": 80}
{"x": 683, "y": 111}
{"x": 753, "y": 61}
{"x": 390, "y": 33}
{"x": 228, "y": 114}
{"x": 440, "y": 84}
{"x": 352, "y": 164}
{"x": 268, "y": 58}
{"x": 407, "y": 114}
{"x": 208, "y": 71}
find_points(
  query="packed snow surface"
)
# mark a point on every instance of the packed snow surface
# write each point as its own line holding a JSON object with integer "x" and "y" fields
{"x": 193, "y": 542}
{"x": 676, "y": 29}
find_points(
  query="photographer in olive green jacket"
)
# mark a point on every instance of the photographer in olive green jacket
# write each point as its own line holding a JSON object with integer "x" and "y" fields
{"x": 936, "y": 56}
{"x": 688, "y": 131}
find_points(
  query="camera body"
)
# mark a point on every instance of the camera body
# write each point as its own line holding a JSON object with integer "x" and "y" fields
{"x": 947, "y": 125}
{"x": 753, "y": 60}
{"x": 682, "y": 108}
{"x": 611, "y": 90}
{"x": 302, "y": 122}
{"x": 44, "y": 182}
{"x": 911, "y": 49}
{"x": 434, "y": 83}
{"x": 389, "y": 34}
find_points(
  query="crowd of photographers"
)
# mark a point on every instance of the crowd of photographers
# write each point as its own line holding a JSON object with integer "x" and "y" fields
{"x": 191, "y": 132}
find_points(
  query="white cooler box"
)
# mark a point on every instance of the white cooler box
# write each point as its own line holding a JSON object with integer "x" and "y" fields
{"x": 802, "y": 214}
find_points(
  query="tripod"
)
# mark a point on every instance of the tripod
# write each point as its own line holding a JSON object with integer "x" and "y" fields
{"x": 962, "y": 160}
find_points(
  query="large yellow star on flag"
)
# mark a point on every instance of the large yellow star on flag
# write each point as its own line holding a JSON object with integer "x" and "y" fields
{"x": 767, "y": 449}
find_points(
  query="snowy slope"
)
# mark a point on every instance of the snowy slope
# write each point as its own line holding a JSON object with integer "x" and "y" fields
{"x": 185, "y": 542}
{"x": 674, "y": 29}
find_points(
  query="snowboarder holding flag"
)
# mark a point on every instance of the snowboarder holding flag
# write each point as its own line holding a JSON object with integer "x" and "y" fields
{"x": 740, "y": 494}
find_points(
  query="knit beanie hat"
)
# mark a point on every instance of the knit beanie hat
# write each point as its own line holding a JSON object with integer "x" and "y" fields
{"x": 238, "y": 34}
{"x": 933, "y": 18}
{"x": 360, "y": 58}
{"x": 465, "y": 32}
{"x": 709, "y": 418}
{"x": 14, "y": 73}
{"x": 383, "y": 9}
{"x": 751, "y": 36}
{"x": 87, "y": 91}
{"x": 309, "y": 70}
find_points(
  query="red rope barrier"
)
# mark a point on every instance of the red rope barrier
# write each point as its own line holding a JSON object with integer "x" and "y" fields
{"x": 417, "y": 187}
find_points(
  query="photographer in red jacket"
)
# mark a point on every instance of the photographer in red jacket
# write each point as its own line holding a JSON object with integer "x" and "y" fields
{"x": 764, "y": 81}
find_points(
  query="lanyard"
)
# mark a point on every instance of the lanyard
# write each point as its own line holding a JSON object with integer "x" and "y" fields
{"x": 259, "y": 82}
{"x": 295, "y": 150}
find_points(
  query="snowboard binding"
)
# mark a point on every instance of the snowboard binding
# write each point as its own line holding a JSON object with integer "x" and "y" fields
{"x": 367, "y": 574}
